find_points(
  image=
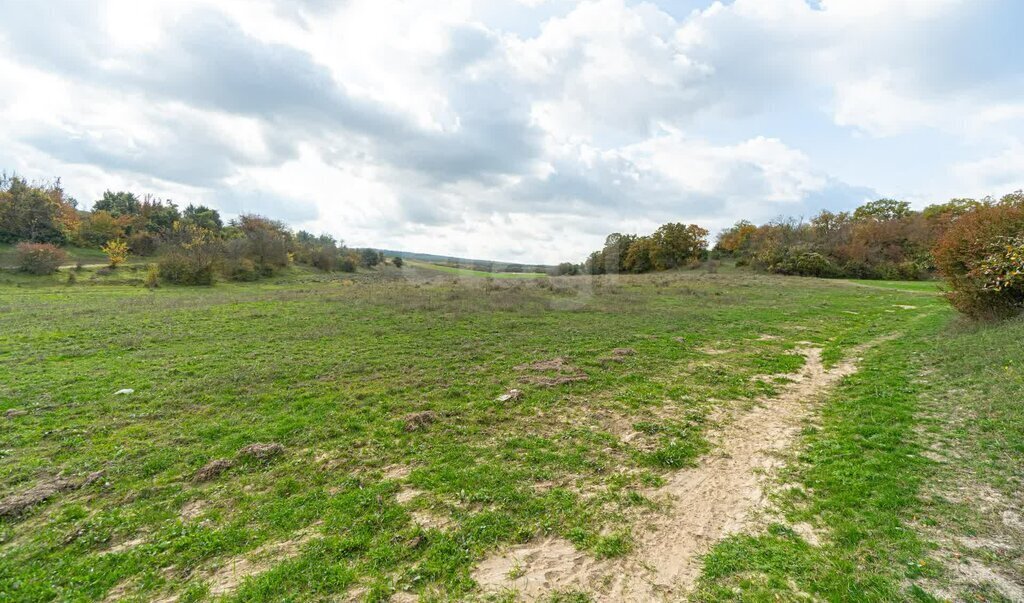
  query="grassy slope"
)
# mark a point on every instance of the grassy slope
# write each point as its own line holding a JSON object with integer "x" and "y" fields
{"x": 472, "y": 273}
{"x": 329, "y": 368}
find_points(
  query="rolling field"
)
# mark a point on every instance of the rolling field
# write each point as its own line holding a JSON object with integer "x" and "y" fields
{"x": 385, "y": 437}
{"x": 466, "y": 272}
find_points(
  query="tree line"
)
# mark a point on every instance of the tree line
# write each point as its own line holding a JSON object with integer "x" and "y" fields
{"x": 977, "y": 246}
{"x": 193, "y": 245}
{"x": 673, "y": 245}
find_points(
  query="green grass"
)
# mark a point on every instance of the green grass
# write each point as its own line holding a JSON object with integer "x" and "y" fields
{"x": 472, "y": 273}
{"x": 895, "y": 522}
{"x": 909, "y": 286}
{"x": 330, "y": 365}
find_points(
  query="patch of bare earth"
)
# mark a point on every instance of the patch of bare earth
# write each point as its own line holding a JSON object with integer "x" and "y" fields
{"x": 718, "y": 498}
{"x": 19, "y": 503}
{"x": 549, "y": 373}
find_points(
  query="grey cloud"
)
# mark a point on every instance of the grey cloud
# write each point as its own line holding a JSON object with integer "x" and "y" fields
{"x": 469, "y": 44}
{"x": 187, "y": 153}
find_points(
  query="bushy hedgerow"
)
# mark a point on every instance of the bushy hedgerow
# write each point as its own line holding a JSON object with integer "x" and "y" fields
{"x": 980, "y": 257}
{"x": 39, "y": 258}
{"x": 183, "y": 268}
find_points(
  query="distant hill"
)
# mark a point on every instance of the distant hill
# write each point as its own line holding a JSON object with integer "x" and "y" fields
{"x": 472, "y": 264}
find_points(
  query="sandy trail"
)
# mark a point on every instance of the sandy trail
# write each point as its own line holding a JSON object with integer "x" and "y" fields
{"x": 705, "y": 504}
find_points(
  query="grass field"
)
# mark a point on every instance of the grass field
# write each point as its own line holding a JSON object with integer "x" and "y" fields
{"x": 399, "y": 470}
{"x": 472, "y": 273}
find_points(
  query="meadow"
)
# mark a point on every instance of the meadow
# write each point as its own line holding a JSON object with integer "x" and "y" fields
{"x": 384, "y": 435}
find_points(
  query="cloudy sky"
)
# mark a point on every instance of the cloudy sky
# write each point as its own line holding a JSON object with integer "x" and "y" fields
{"x": 520, "y": 130}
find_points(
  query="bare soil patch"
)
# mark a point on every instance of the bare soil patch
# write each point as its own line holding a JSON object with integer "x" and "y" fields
{"x": 417, "y": 421}
{"x": 550, "y": 373}
{"x": 262, "y": 452}
{"x": 233, "y": 572}
{"x": 212, "y": 470}
{"x": 16, "y": 504}
{"x": 704, "y": 504}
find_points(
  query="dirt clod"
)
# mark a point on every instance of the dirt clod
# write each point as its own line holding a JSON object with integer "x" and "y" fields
{"x": 262, "y": 452}
{"x": 623, "y": 352}
{"x": 212, "y": 470}
{"x": 564, "y": 372}
{"x": 16, "y": 504}
{"x": 416, "y": 421}
{"x": 512, "y": 395}
{"x": 15, "y": 412}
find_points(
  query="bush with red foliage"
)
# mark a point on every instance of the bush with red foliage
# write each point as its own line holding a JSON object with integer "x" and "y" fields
{"x": 976, "y": 257}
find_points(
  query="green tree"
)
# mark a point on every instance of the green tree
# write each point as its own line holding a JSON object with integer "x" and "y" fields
{"x": 640, "y": 257}
{"x": 616, "y": 247}
{"x": 37, "y": 214}
{"x": 203, "y": 217}
{"x": 264, "y": 242}
{"x": 119, "y": 204}
{"x": 157, "y": 216}
{"x": 397, "y": 261}
{"x": 369, "y": 258}
{"x": 99, "y": 227}
{"x": 676, "y": 244}
{"x": 883, "y": 210}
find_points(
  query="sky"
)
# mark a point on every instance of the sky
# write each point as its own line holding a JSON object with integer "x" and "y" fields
{"x": 514, "y": 130}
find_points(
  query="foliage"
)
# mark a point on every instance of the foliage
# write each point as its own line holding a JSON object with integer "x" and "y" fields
{"x": 1003, "y": 270}
{"x": 144, "y": 243}
{"x": 201, "y": 216}
{"x": 152, "y": 280}
{"x": 118, "y": 204}
{"x": 397, "y": 261}
{"x": 979, "y": 259}
{"x": 348, "y": 262}
{"x": 673, "y": 245}
{"x": 191, "y": 257}
{"x": 100, "y": 226}
{"x": 883, "y": 239}
{"x": 39, "y": 258}
{"x": 262, "y": 241}
{"x": 156, "y": 216}
{"x": 368, "y": 258}
{"x": 35, "y": 213}
{"x": 117, "y": 252}
{"x": 883, "y": 210}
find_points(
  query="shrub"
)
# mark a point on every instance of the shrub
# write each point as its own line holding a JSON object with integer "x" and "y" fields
{"x": 241, "y": 269}
{"x": 325, "y": 258}
{"x": 184, "y": 268}
{"x": 117, "y": 252}
{"x": 143, "y": 243}
{"x": 152, "y": 276}
{"x": 39, "y": 258}
{"x": 979, "y": 258}
{"x": 347, "y": 263}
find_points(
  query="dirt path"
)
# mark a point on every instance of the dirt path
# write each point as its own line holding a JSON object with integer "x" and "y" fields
{"x": 705, "y": 504}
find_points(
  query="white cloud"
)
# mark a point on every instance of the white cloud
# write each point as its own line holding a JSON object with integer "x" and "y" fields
{"x": 516, "y": 129}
